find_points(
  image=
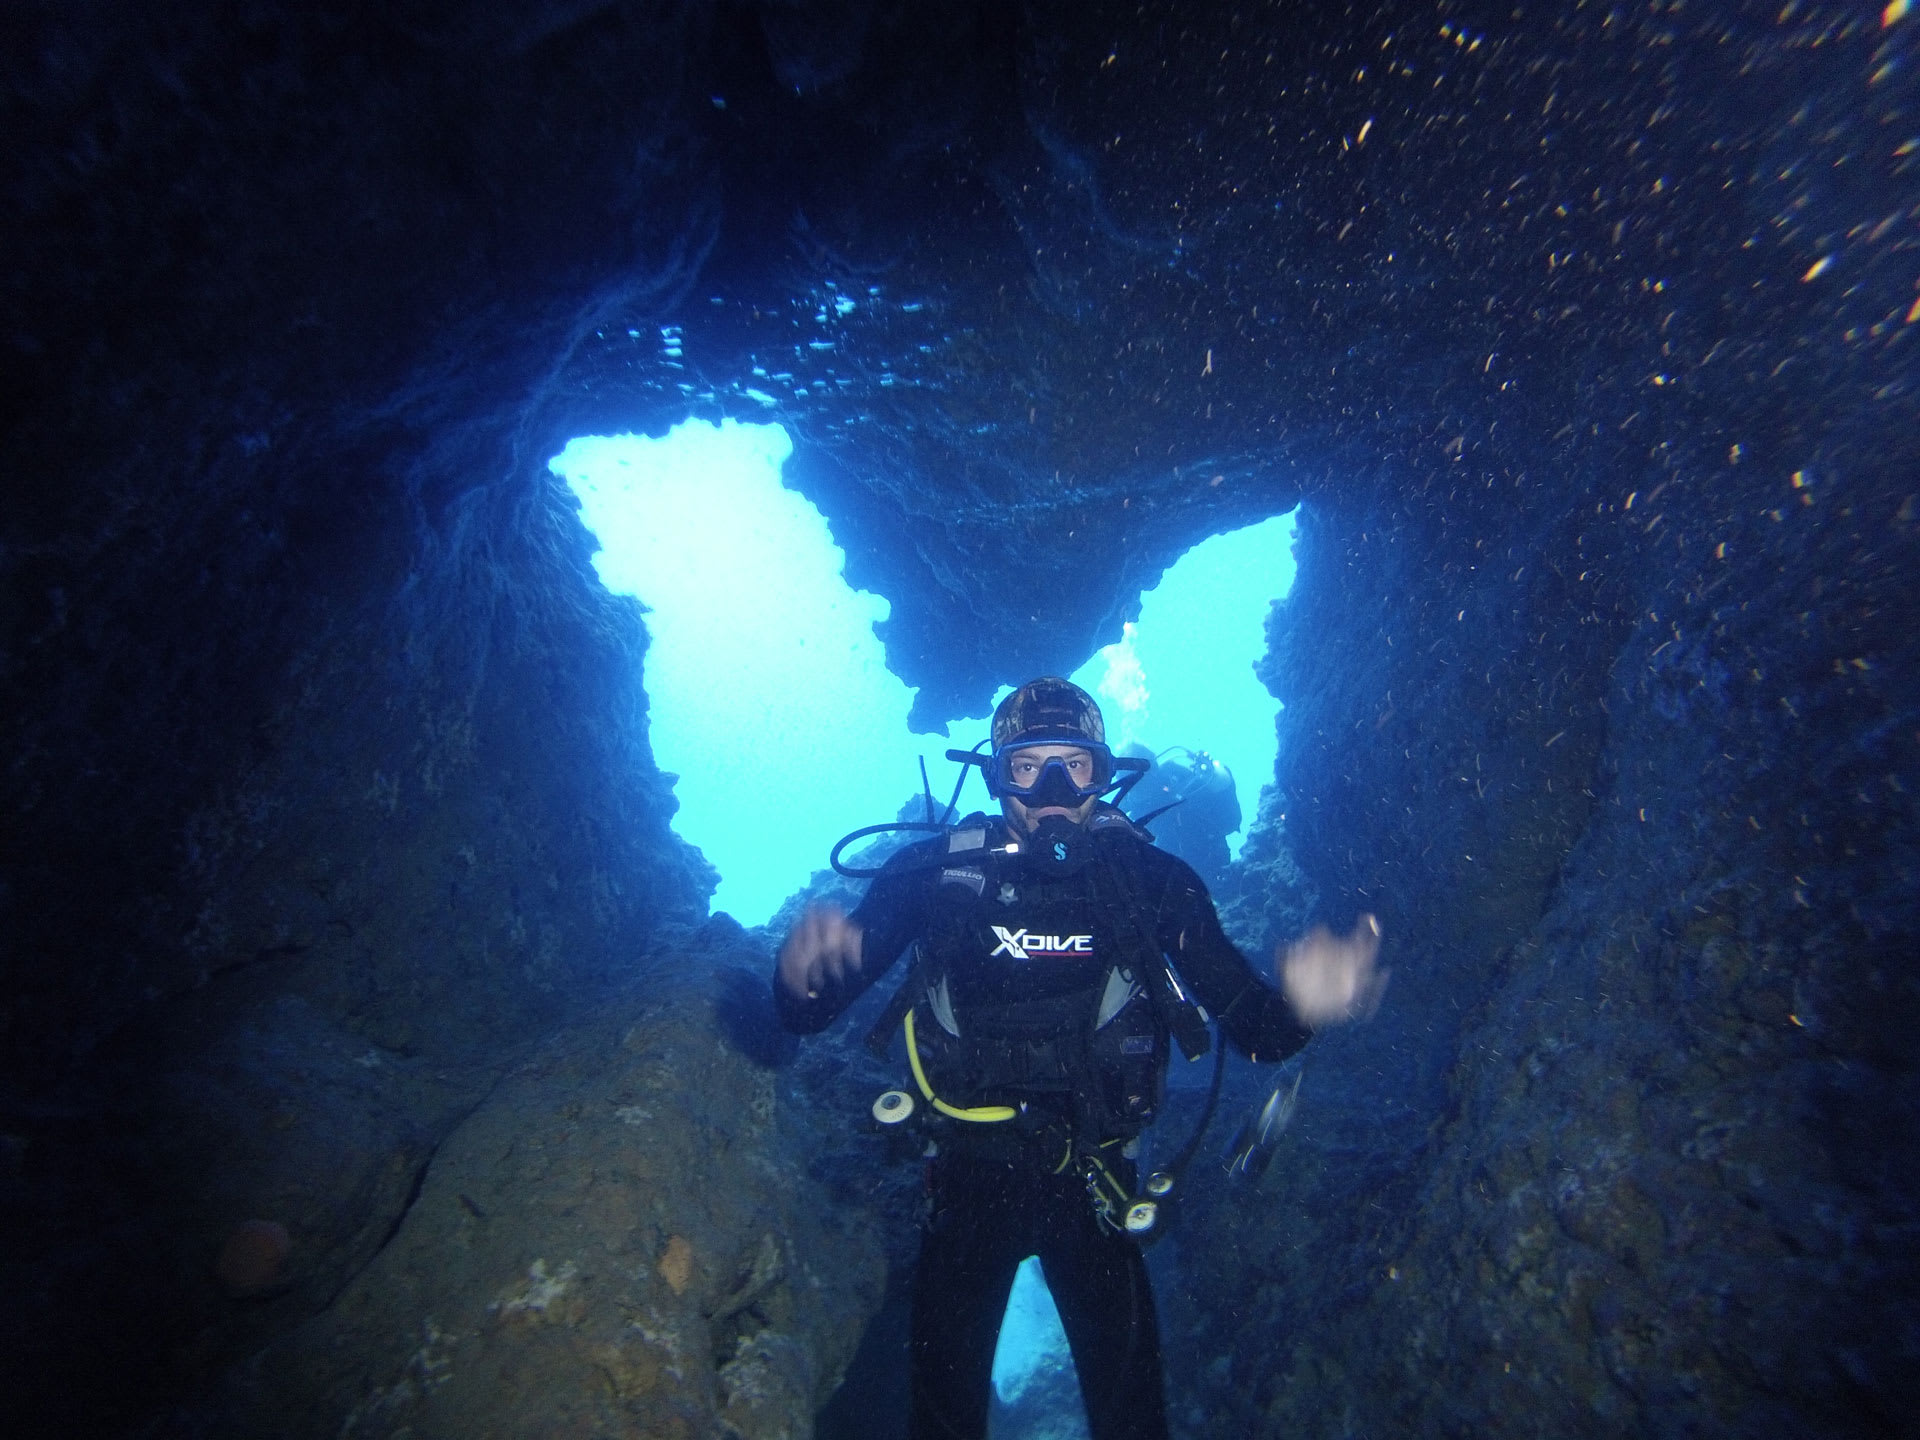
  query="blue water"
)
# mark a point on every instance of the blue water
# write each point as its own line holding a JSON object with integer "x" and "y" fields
{"x": 1182, "y": 675}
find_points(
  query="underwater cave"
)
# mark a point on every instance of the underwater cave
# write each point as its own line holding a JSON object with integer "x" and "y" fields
{"x": 377, "y": 1060}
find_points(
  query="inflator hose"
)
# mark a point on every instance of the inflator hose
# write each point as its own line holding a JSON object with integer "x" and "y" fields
{"x": 985, "y": 1114}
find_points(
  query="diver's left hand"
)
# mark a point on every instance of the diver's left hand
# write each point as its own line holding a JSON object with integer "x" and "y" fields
{"x": 1330, "y": 979}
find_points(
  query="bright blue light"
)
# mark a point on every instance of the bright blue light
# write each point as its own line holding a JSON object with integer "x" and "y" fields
{"x": 1031, "y": 1336}
{"x": 769, "y": 695}
{"x": 1183, "y": 674}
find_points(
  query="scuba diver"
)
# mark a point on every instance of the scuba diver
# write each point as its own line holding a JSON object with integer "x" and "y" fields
{"x": 1054, "y": 955}
{"x": 1193, "y": 795}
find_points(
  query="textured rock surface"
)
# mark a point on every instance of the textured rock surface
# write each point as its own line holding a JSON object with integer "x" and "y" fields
{"x": 1585, "y": 335}
{"x": 442, "y": 839}
{"x": 619, "y": 1240}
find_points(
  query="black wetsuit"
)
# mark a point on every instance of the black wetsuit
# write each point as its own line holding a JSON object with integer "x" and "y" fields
{"x": 1024, "y": 941}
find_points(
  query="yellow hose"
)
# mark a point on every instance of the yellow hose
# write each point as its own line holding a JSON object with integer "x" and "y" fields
{"x": 985, "y": 1114}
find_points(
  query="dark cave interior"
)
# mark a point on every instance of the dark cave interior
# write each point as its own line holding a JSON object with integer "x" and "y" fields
{"x": 371, "y": 1064}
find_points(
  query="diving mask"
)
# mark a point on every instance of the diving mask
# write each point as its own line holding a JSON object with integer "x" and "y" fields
{"x": 1083, "y": 771}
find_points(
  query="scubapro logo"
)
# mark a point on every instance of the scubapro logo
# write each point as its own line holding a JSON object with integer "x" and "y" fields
{"x": 1060, "y": 851}
{"x": 1022, "y": 946}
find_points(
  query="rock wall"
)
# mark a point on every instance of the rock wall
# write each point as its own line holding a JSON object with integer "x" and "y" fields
{"x": 441, "y": 837}
{"x": 327, "y": 770}
{"x": 619, "y": 1240}
{"x": 268, "y": 424}
{"x": 1629, "y": 1148}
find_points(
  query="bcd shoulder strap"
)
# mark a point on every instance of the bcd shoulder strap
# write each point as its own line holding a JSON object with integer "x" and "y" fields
{"x": 1183, "y": 1016}
{"x": 967, "y": 854}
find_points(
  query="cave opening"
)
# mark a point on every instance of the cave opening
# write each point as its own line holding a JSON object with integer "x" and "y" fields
{"x": 1180, "y": 684}
{"x": 770, "y": 697}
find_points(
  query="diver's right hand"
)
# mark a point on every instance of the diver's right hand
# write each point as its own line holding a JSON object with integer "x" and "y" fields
{"x": 824, "y": 947}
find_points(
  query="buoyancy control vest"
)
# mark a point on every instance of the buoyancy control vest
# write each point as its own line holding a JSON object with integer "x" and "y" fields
{"x": 1042, "y": 1000}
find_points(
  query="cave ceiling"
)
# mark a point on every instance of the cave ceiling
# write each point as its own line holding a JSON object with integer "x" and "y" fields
{"x": 1044, "y": 293}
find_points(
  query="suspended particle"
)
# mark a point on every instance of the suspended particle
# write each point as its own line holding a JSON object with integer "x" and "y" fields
{"x": 1818, "y": 268}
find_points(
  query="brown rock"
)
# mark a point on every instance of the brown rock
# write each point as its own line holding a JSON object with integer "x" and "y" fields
{"x": 253, "y": 1259}
{"x": 676, "y": 1265}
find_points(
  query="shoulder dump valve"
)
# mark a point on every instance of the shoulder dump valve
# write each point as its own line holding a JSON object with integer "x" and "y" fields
{"x": 892, "y": 1107}
{"x": 1159, "y": 1184}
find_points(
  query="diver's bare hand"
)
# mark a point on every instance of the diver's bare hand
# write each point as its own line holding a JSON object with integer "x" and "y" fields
{"x": 1330, "y": 979}
{"x": 823, "y": 948}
